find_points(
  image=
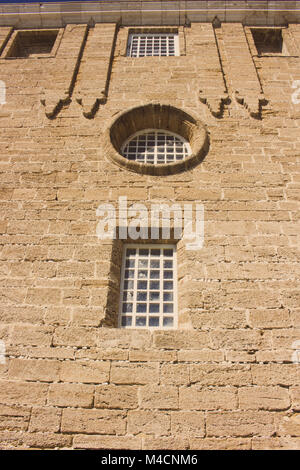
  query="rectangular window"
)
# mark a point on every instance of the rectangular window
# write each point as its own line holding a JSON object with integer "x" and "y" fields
{"x": 32, "y": 43}
{"x": 268, "y": 41}
{"x": 148, "y": 287}
{"x": 150, "y": 45}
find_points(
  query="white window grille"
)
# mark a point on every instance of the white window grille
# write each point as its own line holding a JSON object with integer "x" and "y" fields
{"x": 156, "y": 147}
{"x": 150, "y": 45}
{"x": 148, "y": 296}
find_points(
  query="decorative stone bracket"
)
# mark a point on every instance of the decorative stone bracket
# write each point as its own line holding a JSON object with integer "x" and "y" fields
{"x": 251, "y": 102}
{"x": 54, "y": 101}
{"x": 214, "y": 103}
{"x": 68, "y": 59}
{"x": 241, "y": 76}
{"x": 90, "y": 94}
{"x": 96, "y": 43}
{"x": 90, "y": 104}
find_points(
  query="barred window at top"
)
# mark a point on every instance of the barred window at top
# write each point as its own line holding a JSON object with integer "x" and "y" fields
{"x": 149, "y": 45}
{"x": 156, "y": 147}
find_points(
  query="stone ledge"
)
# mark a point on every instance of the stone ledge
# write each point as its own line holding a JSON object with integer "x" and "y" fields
{"x": 139, "y": 13}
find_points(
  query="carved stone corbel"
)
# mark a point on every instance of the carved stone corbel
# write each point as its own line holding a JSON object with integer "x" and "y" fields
{"x": 252, "y": 102}
{"x": 214, "y": 103}
{"x": 90, "y": 104}
{"x": 54, "y": 101}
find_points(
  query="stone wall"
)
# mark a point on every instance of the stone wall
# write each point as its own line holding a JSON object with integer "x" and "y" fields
{"x": 227, "y": 378}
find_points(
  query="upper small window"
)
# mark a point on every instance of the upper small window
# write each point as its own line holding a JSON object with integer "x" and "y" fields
{"x": 32, "y": 43}
{"x": 156, "y": 146}
{"x": 150, "y": 45}
{"x": 268, "y": 41}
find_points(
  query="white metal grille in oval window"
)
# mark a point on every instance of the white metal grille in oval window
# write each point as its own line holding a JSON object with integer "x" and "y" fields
{"x": 148, "y": 287}
{"x": 149, "y": 45}
{"x": 156, "y": 147}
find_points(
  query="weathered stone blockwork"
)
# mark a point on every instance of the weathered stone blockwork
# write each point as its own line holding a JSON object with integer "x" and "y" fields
{"x": 226, "y": 378}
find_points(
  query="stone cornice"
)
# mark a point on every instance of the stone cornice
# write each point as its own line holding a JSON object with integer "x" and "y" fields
{"x": 154, "y": 12}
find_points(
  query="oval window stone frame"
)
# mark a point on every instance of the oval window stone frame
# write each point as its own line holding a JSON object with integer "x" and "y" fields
{"x": 156, "y": 116}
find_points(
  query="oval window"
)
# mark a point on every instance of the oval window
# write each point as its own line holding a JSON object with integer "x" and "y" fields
{"x": 156, "y": 147}
{"x": 156, "y": 139}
